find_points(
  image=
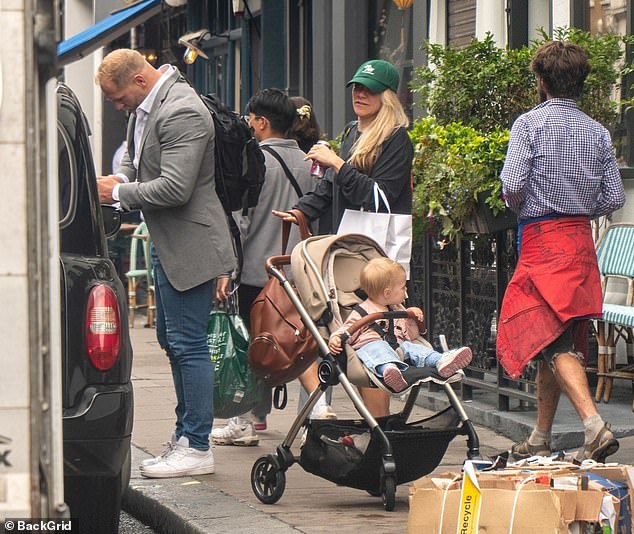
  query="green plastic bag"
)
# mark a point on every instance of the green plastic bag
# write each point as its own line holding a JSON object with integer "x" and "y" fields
{"x": 236, "y": 388}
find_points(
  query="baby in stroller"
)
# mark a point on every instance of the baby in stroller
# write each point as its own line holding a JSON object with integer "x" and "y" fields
{"x": 384, "y": 282}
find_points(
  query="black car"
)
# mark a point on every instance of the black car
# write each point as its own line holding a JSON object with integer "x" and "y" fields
{"x": 96, "y": 349}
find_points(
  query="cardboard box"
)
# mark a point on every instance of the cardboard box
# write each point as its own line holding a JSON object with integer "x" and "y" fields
{"x": 538, "y": 508}
{"x": 625, "y": 510}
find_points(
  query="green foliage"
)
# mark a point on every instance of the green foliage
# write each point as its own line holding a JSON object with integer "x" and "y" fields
{"x": 472, "y": 96}
{"x": 480, "y": 85}
{"x": 335, "y": 143}
{"x": 452, "y": 164}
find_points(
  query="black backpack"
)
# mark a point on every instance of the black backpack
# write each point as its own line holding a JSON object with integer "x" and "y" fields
{"x": 239, "y": 166}
{"x": 239, "y": 160}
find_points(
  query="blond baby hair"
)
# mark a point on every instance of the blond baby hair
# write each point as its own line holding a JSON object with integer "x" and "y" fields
{"x": 378, "y": 274}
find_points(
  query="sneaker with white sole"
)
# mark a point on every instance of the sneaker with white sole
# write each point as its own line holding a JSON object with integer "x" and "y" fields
{"x": 168, "y": 448}
{"x": 182, "y": 461}
{"x": 322, "y": 411}
{"x": 238, "y": 431}
{"x": 453, "y": 360}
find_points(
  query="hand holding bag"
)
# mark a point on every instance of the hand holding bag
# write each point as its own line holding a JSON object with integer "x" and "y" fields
{"x": 392, "y": 231}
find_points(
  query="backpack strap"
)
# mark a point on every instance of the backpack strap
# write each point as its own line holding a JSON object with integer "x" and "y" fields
{"x": 280, "y": 397}
{"x": 388, "y": 336}
{"x": 286, "y": 227}
{"x": 287, "y": 171}
{"x": 349, "y": 127}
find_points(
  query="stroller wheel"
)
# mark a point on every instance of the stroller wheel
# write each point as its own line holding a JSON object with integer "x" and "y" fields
{"x": 268, "y": 481}
{"x": 389, "y": 493}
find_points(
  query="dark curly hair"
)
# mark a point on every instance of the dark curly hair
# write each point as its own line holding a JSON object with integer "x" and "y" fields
{"x": 562, "y": 67}
{"x": 305, "y": 129}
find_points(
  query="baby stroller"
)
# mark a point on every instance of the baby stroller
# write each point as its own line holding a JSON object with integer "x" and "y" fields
{"x": 371, "y": 454}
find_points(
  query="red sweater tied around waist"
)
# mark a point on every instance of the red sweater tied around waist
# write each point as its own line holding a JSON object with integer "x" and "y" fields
{"x": 556, "y": 281}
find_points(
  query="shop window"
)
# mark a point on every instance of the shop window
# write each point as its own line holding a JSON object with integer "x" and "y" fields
{"x": 614, "y": 17}
{"x": 391, "y": 39}
{"x": 461, "y": 22}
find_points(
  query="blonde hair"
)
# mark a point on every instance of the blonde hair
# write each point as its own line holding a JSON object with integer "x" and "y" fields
{"x": 379, "y": 274}
{"x": 120, "y": 67}
{"x": 368, "y": 146}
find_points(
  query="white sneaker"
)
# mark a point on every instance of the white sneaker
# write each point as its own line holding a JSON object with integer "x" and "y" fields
{"x": 453, "y": 360}
{"x": 238, "y": 431}
{"x": 182, "y": 461}
{"x": 322, "y": 411}
{"x": 168, "y": 448}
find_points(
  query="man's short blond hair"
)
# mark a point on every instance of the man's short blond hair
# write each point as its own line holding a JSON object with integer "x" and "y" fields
{"x": 378, "y": 274}
{"x": 120, "y": 66}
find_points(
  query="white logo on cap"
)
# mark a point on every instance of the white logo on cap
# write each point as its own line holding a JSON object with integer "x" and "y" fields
{"x": 368, "y": 69}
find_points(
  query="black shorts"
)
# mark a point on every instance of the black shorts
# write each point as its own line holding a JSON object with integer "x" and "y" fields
{"x": 562, "y": 345}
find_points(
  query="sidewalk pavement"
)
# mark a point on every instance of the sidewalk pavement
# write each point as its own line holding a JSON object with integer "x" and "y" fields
{"x": 224, "y": 502}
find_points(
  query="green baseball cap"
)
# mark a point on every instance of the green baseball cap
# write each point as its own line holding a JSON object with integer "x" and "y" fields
{"x": 377, "y": 75}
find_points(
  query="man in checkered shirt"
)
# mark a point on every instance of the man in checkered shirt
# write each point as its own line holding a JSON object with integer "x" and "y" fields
{"x": 560, "y": 172}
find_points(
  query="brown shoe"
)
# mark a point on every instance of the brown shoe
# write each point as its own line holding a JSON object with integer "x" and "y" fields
{"x": 600, "y": 447}
{"x": 522, "y": 450}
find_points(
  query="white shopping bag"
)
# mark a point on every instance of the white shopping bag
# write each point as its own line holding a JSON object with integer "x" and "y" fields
{"x": 392, "y": 231}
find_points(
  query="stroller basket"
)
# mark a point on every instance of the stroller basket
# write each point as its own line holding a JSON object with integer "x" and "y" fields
{"x": 345, "y": 452}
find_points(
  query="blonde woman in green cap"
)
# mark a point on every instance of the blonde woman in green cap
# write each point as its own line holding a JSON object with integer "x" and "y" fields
{"x": 375, "y": 149}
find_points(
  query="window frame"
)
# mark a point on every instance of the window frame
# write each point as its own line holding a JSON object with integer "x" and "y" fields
{"x": 64, "y": 137}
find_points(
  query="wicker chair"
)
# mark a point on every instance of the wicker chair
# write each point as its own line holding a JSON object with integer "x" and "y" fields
{"x": 140, "y": 270}
{"x": 615, "y": 253}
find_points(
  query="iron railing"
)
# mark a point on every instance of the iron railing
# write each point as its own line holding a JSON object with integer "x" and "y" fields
{"x": 460, "y": 287}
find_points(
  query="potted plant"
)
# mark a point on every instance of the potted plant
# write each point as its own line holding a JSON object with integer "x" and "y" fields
{"x": 472, "y": 96}
{"x": 454, "y": 166}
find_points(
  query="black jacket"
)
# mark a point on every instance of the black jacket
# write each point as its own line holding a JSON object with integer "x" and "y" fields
{"x": 351, "y": 189}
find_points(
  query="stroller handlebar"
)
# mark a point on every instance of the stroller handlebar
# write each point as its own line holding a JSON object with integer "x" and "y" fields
{"x": 276, "y": 261}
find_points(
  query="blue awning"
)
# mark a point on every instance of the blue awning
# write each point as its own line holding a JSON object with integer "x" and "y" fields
{"x": 106, "y": 30}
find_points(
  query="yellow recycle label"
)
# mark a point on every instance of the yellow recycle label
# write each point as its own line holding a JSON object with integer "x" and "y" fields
{"x": 470, "y": 502}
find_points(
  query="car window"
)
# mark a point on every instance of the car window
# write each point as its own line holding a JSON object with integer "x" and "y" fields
{"x": 67, "y": 172}
{"x": 80, "y": 232}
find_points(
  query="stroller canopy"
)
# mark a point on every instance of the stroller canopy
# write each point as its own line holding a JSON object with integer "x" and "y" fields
{"x": 326, "y": 270}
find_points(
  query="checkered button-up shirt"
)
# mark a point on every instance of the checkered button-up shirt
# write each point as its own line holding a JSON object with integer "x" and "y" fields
{"x": 560, "y": 161}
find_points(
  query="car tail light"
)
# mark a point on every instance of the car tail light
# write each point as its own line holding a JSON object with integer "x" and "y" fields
{"x": 102, "y": 327}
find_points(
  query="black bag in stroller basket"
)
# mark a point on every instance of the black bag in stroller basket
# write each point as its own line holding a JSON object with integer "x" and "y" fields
{"x": 344, "y": 452}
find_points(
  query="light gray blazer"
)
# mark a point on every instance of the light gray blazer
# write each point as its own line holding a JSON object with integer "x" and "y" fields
{"x": 174, "y": 187}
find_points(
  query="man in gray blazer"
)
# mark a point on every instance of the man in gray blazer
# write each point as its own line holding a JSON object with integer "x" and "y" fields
{"x": 168, "y": 174}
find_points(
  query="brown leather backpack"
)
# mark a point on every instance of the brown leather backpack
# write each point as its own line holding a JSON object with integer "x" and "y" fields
{"x": 281, "y": 346}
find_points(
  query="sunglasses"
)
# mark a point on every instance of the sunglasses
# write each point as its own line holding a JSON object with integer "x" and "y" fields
{"x": 359, "y": 88}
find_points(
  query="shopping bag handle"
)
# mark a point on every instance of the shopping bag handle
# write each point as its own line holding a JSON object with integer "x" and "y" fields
{"x": 378, "y": 192}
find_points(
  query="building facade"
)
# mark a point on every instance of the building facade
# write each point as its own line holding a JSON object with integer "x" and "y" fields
{"x": 312, "y": 48}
